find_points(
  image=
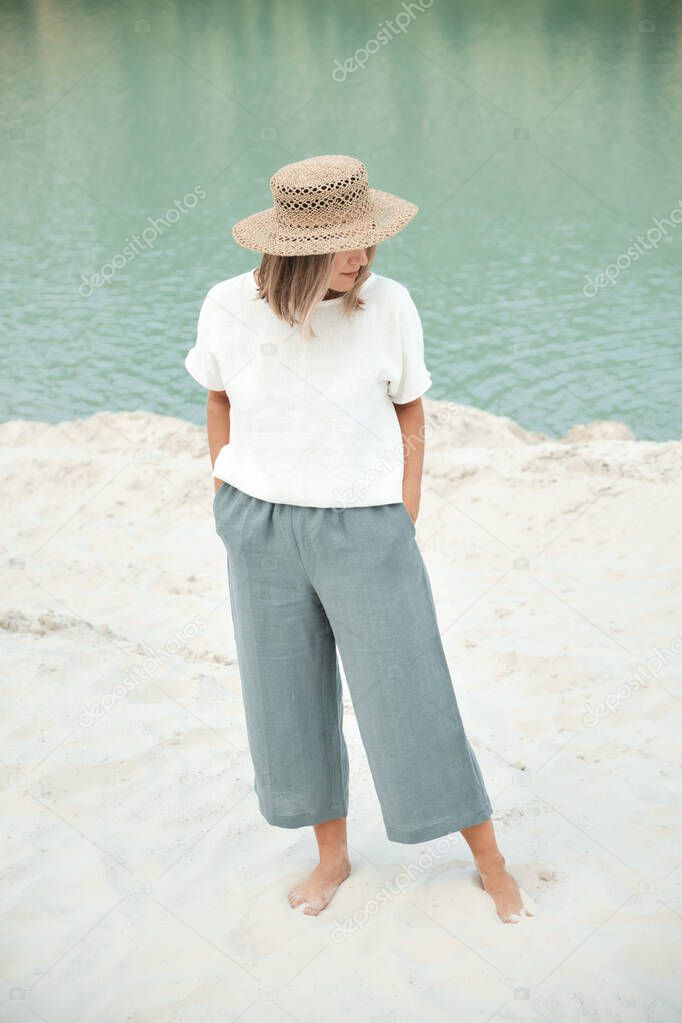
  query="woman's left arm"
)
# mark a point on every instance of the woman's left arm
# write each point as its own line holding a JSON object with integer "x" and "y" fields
{"x": 411, "y": 419}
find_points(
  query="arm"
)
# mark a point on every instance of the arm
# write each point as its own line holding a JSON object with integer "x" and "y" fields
{"x": 411, "y": 419}
{"x": 217, "y": 425}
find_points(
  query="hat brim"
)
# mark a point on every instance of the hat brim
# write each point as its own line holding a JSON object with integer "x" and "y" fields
{"x": 388, "y": 215}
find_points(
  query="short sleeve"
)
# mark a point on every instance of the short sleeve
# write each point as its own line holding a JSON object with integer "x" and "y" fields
{"x": 414, "y": 377}
{"x": 201, "y": 361}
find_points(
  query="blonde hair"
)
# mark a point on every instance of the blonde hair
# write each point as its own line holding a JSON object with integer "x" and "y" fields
{"x": 294, "y": 285}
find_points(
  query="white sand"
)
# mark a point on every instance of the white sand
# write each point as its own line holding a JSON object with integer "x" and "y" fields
{"x": 140, "y": 881}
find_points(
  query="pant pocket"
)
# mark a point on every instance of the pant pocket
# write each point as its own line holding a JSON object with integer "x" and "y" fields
{"x": 408, "y": 518}
{"x": 216, "y": 495}
{"x": 220, "y": 498}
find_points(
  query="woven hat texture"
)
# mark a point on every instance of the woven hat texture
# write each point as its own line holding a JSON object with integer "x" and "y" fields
{"x": 323, "y": 204}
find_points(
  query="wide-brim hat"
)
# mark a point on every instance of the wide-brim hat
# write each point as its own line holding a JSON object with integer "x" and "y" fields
{"x": 323, "y": 204}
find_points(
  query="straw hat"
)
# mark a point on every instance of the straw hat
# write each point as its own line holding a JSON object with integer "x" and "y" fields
{"x": 323, "y": 204}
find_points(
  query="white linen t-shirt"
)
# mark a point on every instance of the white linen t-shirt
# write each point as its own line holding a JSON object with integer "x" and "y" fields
{"x": 312, "y": 419}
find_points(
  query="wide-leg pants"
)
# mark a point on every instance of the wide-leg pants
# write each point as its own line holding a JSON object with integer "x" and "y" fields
{"x": 304, "y": 581}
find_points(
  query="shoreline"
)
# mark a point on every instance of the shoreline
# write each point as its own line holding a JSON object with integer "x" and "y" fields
{"x": 480, "y": 422}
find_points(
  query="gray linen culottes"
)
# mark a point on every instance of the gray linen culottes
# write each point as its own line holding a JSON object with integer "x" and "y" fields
{"x": 304, "y": 581}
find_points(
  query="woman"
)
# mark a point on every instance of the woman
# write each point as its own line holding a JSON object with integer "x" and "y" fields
{"x": 315, "y": 371}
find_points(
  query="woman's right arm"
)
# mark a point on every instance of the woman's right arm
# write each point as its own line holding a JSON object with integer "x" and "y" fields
{"x": 217, "y": 425}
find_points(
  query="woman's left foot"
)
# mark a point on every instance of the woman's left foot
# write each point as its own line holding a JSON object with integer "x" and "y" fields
{"x": 316, "y": 891}
{"x": 502, "y": 889}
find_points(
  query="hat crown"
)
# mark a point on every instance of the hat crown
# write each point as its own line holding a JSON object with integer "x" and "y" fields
{"x": 323, "y": 204}
{"x": 322, "y": 191}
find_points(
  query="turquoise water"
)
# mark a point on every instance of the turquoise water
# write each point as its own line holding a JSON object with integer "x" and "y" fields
{"x": 538, "y": 140}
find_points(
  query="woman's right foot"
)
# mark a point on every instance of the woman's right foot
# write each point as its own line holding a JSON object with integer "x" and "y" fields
{"x": 316, "y": 890}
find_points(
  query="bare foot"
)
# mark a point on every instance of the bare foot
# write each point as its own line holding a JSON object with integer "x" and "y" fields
{"x": 316, "y": 890}
{"x": 502, "y": 888}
